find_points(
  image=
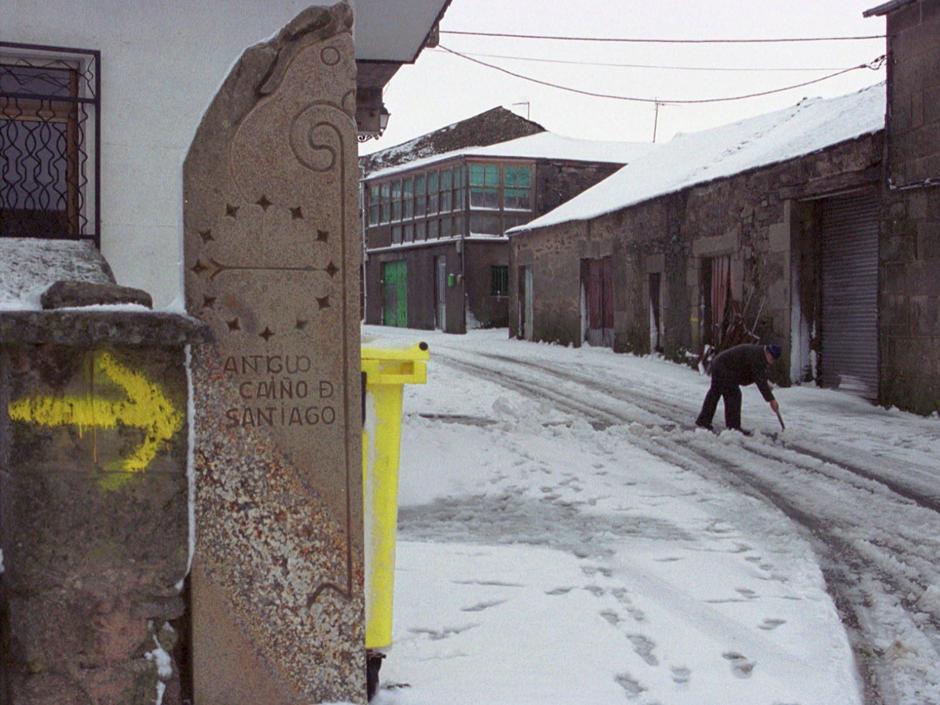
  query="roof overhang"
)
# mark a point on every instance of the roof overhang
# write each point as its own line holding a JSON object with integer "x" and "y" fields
{"x": 887, "y": 7}
{"x": 387, "y": 35}
{"x": 395, "y": 31}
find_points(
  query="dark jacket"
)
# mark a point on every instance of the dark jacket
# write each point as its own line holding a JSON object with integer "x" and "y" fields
{"x": 743, "y": 365}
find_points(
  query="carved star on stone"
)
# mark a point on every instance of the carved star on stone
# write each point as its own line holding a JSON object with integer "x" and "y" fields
{"x": 301, "y": 324}
{"x": 322, "y": 236}
{"x": 263, "y": 202}
{"x": 323, "y": 303}
{"x": 233, "y": 324}
{"x": 331, "y": 269}
{"x": 266, "y": 334}
{"x": 198, "y": 268}
{"x": 231, "y": 211}
{"x": 296, "y": 213}
{"x": 206, "y": 235}
{"x": 208, "y": 301}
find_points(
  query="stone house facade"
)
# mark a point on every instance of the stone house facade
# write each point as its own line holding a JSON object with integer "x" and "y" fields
{"x": 672, "y": 271}
{"x": 909, "y": 304}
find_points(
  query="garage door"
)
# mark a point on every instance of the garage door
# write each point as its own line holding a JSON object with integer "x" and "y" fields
{"x": 850, "y": 294}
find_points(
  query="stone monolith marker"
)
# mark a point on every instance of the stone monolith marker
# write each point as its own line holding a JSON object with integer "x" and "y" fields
{"x": 271, "y": 261}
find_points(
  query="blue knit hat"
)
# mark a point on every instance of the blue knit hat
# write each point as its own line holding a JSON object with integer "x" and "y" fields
{"x": 774, "y": 351}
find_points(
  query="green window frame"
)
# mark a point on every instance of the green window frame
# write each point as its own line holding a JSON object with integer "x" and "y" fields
{"x": 385, "y": 193}
{"x": 421, "y": 195}
{"x": 433, "y": 193}
{"x": 396, "y": 200}
{"x": 484, "y": 186}
{"x": 408, "y": 200}
{"x": 374, "y": 205}
{"x": 517, "y": 188}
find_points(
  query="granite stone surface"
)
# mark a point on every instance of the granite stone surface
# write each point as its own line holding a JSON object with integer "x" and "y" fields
{"x": 93, "y": 521}
{"x": 69, "y": 293}
{"x": 271, "y": 261}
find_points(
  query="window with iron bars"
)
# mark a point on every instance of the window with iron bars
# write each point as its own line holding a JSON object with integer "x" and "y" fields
{"x": 50, "y": 137}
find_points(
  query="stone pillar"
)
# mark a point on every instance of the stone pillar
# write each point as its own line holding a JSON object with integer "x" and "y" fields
{"x": 271, "y": 258}
{"x": 93, "y": 504}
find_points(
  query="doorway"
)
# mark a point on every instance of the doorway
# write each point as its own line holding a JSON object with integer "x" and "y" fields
{"x": 656, "y": 313}
{"x": 440, "y": 288}
{"x": 525, "y": 304}
{"x": 597, "y": 292}
{"x": 395, "y": 293}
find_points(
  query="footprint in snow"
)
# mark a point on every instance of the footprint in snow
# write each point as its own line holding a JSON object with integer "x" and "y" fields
{"x": 480, "y": 606}
{"x": 559, "y": 591}
{"x": 439, "y": 634}
{"x": 669, "y": 559}
{"x": 595, "y": 590}
{"x": 681, "y": 675}
{"x": 771, "y": 624}
{"x": 741, "y": 666}
{"x": 592, "y": 570}
{"x": 643, "y": 646}
{"x": 611, "y": 617}
{"x": 631, "y": 686}
{"x": 745, "y": 592}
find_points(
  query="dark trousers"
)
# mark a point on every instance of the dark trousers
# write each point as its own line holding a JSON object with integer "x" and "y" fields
{"x": 731, "y": 393}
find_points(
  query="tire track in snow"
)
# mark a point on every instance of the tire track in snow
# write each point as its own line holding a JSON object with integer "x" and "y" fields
{"x": 855, "y": 584}
{"x": 670, "y": 412}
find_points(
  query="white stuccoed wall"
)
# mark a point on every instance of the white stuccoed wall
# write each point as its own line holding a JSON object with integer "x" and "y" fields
{"x": 161, "y": 64}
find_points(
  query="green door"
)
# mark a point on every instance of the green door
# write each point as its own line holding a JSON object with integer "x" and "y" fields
{"x": 395, "y": 287}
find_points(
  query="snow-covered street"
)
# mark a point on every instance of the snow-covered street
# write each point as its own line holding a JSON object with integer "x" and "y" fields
{"x": 566, "y": 536}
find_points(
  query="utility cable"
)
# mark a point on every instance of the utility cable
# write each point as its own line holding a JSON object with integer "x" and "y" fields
{"x": 873, "y": 65}
{"x": 640, "y": 40}
{"x": 575, "y": 62}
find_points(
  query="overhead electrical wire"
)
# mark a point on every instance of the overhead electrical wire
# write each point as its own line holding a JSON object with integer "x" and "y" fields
{"x": 873, "y": 65}
{"x": 576, "y": 62}
{"x": 643, "y": 40}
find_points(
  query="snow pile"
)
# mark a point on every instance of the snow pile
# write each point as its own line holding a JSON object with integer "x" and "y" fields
{"x": 543, "y": 145}
{"x": 689, "y": 159}
{"x": 28, "y": 266}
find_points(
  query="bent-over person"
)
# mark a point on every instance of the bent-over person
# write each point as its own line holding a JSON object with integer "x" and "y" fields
{"x": 732, "y": 369}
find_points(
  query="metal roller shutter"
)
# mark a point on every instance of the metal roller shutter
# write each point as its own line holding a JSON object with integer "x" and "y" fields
{"x": 850, "y": 294}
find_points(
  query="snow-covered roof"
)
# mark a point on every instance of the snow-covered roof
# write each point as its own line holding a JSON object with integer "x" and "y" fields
{"x": 695, "y": 158}
{"x": 543, "y": 145}
{"x": 28, "y": 266}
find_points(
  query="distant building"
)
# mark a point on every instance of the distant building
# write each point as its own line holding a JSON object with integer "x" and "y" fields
{"x": 436, "y": 251}
{"x": 767, "y": 226}
{"x": 816, "y": 227}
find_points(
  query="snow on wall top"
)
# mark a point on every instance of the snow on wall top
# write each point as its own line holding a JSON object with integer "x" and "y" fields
{"x": 28, "y": 266}
{"x": 695, "y": 158}
{"x": 543, "y": 145}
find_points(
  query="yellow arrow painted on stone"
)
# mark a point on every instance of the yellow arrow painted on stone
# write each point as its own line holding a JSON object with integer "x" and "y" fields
{"x": 146, "y": 407}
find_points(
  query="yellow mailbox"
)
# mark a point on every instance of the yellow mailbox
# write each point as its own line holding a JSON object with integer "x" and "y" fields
{"x": 385, "y": 372}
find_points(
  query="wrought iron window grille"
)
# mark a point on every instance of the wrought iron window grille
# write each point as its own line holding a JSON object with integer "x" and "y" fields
{"x": 50, "y": 142}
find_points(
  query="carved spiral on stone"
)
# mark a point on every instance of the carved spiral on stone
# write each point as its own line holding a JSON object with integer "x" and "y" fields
{"x": 330, "y": 56}
{"x": 314, "y": 138}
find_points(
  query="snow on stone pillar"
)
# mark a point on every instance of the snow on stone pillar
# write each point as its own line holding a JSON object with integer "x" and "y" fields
{"x": 93, "y": 498}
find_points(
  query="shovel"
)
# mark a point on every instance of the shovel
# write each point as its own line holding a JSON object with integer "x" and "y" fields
{"x": 780, "y": 419}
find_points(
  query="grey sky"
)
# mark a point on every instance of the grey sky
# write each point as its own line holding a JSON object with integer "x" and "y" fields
{"x": 440, "y": 89}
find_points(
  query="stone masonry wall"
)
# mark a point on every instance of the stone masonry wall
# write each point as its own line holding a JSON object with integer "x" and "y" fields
{"x": 910, "y": 230}
{"x": 750, "y": 216}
